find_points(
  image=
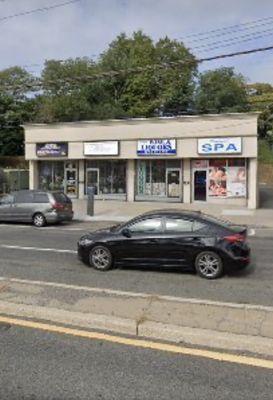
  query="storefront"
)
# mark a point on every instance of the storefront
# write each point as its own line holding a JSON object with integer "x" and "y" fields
{"x": 208, "y": 159}
{"x": 219, "y": 178}
{"x": 107, "y": 177}
{"x": 159, "y": 180}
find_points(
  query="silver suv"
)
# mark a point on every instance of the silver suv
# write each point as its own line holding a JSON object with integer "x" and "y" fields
{"x": 36, "y": 206}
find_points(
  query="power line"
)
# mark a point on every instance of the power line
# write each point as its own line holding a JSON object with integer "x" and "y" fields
{"x": 41, "y": 9}
{"x": 235, "y": 40}
{"x": 211, "y": 45}
{"x": 227, "y": 32}
{"x": 224, "y": 29}
{"x": 39, "y": 84}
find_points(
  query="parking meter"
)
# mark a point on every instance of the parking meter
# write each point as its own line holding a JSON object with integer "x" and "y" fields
{"x": 90, "y": 200}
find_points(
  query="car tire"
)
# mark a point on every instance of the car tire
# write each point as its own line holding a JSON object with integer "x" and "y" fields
{"x": 39, "y": 220}
{"x": 101, "y": 258}
{"x": 209, "y": 265}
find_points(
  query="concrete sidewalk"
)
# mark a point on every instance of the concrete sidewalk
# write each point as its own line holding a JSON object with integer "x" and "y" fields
{"x": 236, "y": 327}
{"x": 108, "y": 210}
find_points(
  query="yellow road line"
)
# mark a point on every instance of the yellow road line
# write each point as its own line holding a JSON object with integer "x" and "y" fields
{"x": 145, "y": 344}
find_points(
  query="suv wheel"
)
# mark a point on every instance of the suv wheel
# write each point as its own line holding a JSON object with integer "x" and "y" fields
{"x": 39, "y": 220}
{"x": 209, "y": 265}
{"x": 100, "y": 258}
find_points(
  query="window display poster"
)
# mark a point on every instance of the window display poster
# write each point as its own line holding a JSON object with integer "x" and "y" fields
{"x": 217, "y": 181}
{"x": 236, "y": 183}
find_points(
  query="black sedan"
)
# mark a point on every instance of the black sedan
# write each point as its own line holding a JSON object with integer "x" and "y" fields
{"x": 190, "y": 240}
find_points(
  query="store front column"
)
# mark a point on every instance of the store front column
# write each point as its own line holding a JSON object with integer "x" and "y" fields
{"x": 252, "y": 183}
{"x": 186, "y": 181}
{"x": 130, "y": 180}
{"x": 33, "y": 175}
{"x": 81, "y": 179}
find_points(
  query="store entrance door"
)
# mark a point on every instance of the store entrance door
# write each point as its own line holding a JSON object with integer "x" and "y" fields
{"x": 71, "y": 180}
{"x": 200, "y": 185}
{"x": 173, "y": 183}
{"x": 92, "y": 179}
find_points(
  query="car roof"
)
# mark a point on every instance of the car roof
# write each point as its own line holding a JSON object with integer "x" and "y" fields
{"x": 169, "y": 212}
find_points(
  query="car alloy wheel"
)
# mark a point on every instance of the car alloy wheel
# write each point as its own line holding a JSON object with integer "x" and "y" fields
{"x": 101, "y": 258}
{"x": 209, "y": 265}
{"x": 39, "y": 220}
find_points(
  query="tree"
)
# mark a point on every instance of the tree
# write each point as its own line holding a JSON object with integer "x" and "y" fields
{"x": 11, "y": 132}
{"x": 14, "y": 98}
{"x": 260, "y": 96}
{"x": 128, "y": 80}
{"x": 221, "y": 90}
{"x": 155, "y": 87}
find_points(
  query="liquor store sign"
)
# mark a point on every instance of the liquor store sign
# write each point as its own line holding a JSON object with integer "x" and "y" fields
{"x": 156, "y": 147}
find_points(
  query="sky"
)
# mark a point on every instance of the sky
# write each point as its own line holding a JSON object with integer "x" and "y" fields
{"x": 86, "y": 27}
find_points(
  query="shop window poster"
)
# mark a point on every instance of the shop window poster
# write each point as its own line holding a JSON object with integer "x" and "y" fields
{"x": 218, "y": 181}
{"x": 236, "y": 183}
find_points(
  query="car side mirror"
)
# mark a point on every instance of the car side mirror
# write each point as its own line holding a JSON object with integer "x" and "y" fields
{"x": 126, "y": 232}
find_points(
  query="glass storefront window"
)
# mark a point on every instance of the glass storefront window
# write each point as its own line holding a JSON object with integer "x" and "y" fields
{"x": 236, "y": 181}
{"x": 51, "y": 175}
{"x": 219, "y": 178}
{"x": 108, "y": 177}
{"x": 158, "y": 181}
{"x": 158, "y": 178}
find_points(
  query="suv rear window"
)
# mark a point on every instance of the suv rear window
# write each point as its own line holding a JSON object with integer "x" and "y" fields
{"x": 61, "y": 198}
{"x": 41, "y": 198}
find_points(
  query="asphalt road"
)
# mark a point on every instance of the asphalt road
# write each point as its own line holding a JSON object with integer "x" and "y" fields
{"x": 36, "y": 365}
{"x": 254, "y": 285}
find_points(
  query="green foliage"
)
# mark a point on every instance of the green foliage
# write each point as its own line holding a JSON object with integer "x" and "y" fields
{"x": 145, "y": 93}
{"x": 265, "y": 152}
{"x": 11, "y": 133}
{"x": 265, "y": 124}
{"x": 221, "y": 90}
{"x": 260, "y": 96}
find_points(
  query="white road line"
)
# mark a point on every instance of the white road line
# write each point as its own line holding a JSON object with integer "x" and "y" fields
{"x": 28, "y": 248}
{"x": 123, "y": 293}
{"x": 251, "y": 232}
{"x": 53, "y": 228}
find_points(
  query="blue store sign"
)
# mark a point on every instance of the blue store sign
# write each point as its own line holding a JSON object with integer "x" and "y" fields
{"x": 223, "y": 145}
{"x": 52, "y": 149}
{"x": 156, "y": 147}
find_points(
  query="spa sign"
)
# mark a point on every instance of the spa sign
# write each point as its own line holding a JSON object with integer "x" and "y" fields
{"x": 156, "y": 147}
{"x": 226, "y": 145}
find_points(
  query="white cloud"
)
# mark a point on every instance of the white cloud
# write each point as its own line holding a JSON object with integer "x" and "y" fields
{"x": 85, "y": 28}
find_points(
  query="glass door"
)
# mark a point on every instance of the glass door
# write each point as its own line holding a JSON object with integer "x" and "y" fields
{"x": 173, "y": 183}
{"x": 92, "y": 179}
{"x": 71, "y": 180}
{"x": 200, "y": 185}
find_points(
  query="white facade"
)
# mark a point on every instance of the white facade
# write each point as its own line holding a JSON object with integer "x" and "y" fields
{"x": 185, "y": 159}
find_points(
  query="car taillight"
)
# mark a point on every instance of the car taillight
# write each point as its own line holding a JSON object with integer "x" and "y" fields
{"x": 237, "y": 237}
{"x": 58, "y": 206}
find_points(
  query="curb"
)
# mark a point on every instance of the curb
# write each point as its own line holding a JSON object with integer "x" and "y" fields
{"x": 202, "y": 338}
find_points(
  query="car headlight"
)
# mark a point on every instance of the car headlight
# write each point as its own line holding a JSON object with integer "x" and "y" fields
{"x": 85, "y": 241}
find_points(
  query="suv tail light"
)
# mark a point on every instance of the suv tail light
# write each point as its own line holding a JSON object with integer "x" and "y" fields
{"x": 235, "y": 238}
{"x": 58, "y": 206}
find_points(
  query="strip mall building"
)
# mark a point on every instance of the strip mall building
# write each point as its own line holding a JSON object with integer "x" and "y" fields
{"x": 186, "y": 159}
